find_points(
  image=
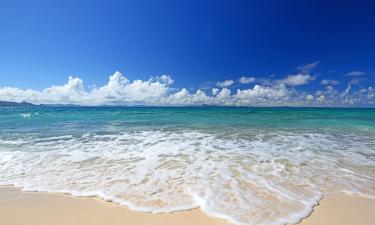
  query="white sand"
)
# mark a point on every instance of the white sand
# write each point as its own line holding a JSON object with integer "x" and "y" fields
{"x": 29, "y": 208}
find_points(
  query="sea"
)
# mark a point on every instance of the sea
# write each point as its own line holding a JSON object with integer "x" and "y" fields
{"x": 246, "y": 165}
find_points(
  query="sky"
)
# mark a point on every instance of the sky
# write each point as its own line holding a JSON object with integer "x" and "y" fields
{"x": 166, "y": 52}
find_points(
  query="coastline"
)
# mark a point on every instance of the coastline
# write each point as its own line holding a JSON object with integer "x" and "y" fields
{"x": 342, "y": 209}
{"x": 39, "y": 208}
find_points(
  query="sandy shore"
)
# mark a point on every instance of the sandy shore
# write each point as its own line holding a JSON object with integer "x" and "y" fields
{"x": 30, "y": 208}
{"x": 343, "y": 210}
{"x": 21, "y": 208}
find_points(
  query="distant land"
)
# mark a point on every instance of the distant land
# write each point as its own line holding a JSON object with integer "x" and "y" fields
{"x": 28, "y": 104}
{"x": 5, "y": 103}
{"x": 23, "y": 104}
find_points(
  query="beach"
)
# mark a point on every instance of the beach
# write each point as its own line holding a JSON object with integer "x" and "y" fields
{"x": 32, "y": 208}
{"x": 187, "y": 112}
{"x": 343, "y": 210}
{"x": 159, "y": 164}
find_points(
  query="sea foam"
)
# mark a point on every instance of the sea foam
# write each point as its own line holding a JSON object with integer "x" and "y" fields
{"x": 262, "y": 177}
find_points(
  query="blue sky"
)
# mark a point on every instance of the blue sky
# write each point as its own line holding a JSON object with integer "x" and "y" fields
{"x": 196, "y": 43}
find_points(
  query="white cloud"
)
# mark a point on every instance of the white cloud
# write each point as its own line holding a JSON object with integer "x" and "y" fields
{"x": 159, "y": 91}
{"x": 320, "y": 98}
{"x": 215, "y": 91}
{"x": 355, "y": 73}
{"x": 246, "y": 80}
{"x": 329, "y": 82}
{"x": 224, "y": 84}
{"x": 309, "y": 97}
{"x": 346, "y": 91}
{"x": 120, "y": 90}
{"x": 306, "y": 69}
{"x": 297, "y": 79}
{"x": 181, "y": 97}
{"x": 224, "y": 94}
{"x": 356, "y": 76}
{"x": 370, "y": 93}
{"x": 164, "y": 79}
{"x": 259, "y": 91}
{"x": 71, "y": 92}
{"x": 356, "y": 80}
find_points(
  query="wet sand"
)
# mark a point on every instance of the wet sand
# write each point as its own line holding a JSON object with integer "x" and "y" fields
{"x": 21, "y": 208}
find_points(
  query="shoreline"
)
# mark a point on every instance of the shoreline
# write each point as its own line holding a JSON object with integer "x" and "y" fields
{"x": 42, "y": 208}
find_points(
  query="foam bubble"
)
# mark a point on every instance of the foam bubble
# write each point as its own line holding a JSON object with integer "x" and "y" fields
{"x": 234, "y": 175}
{"x": 25, "y": 115}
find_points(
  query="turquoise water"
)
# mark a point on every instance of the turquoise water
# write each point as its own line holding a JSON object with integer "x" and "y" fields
{"x": 232, "y": 162}
{"x": 85, "y": 118}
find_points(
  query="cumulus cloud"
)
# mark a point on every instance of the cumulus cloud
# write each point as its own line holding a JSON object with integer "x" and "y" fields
{"x": 320, "y": 98}
{"x": 370, "y": 92}
{"x": 246, "y": 80}
{"x": 261, "y": 95}
{"x": 329, "y": 82}
{"x": 71, "y": 92}
{"x": 263, "y": 92}
{"x": 120, "y": 90}
{"x": 215, "y": 91}
{"x": 302, "y": 77}
{"x": 224, "y": 94}
{"x": 309, "y": 97}
{"x": 158, "y": 91}
{"x": 297, "y": 79}
{"x": 165, "y": 79}
{"x": 225, "y": 84}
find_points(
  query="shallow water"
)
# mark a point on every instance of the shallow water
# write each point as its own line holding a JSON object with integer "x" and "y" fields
{"x": 246, "y": 165}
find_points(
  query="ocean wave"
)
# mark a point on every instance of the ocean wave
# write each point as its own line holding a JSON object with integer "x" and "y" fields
{"x": 234, "y": 176}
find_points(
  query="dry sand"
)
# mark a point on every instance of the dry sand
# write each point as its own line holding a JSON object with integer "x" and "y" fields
{"x": 343, "y": 210}
{"x": 25, "y": 208}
